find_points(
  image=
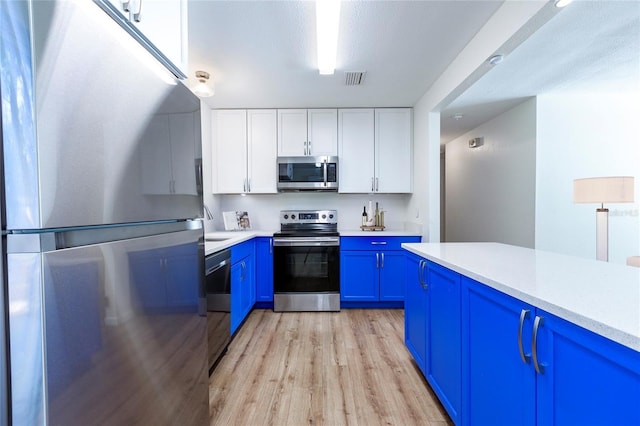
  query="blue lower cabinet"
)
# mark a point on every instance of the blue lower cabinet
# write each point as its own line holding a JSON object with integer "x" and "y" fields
{"x": 372, "y": 271}
{"x": 243, "y": 285}
{"x": 359, "y": 276}
{"x": 587, "y": 379}
{"x": 498, "y": 387}
{"x": 566, "y": 375}
{"x": 415, "y": 311}
{"x": 444, "y": 363}
{"x": 264, "y": 271}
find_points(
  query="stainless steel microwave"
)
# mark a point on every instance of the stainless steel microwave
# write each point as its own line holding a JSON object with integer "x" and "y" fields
{"x": 307, "y": 173}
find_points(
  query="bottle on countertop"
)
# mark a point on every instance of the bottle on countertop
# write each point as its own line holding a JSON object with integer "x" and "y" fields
{"x": 365, "y": 218}
{"x": 377, "y": 215}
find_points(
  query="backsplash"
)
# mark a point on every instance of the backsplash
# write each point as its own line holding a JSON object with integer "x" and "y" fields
{"x": 264, "y": 209}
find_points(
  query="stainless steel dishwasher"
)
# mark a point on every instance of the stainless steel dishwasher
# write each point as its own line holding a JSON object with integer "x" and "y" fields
{"x": 218, "y": 285}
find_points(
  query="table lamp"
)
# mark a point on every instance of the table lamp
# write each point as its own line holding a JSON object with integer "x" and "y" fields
{"x": 614, "y": 189}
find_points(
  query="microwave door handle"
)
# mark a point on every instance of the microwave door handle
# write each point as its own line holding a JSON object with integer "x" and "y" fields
{"x": 325, "y": 172}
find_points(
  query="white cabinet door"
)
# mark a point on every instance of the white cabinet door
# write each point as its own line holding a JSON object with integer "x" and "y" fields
{"x": 182, "y": 133}
{"x": 155, "y": 157}
{"x": 292, "y": 132}
{"x": 322, "y": 132}
{"x": 229, "y": 150}
{"x": 262, "y": 150}
{"x": 164, "y": 23}
{"x": 394, "y": 146}
{"x": 356, "y": 150}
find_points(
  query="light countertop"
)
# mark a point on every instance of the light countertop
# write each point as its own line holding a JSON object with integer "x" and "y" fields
{"x": 599, "y": 296}
{"x": 385, "y": 233}
{"x": 229, "y": 238}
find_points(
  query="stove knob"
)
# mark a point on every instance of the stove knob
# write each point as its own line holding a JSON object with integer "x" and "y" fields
{"x": 324, "y": 216}
{"x": 330, "y": 216}
{"x": 286, "y": 216}
{"x": 293, "y": 217}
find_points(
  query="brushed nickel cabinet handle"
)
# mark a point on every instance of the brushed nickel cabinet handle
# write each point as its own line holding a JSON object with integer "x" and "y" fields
{"x": 539, "y": 321}
{"x": 377, "y": 260}
{"x": 524, "y": 314}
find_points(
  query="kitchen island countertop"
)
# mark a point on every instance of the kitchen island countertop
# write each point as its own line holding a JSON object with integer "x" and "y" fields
{"x": 598, "y": 296}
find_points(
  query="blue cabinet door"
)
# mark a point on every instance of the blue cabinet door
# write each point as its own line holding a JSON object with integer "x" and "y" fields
{"x": 264, "y": 269}
{"x": 443, "y": 362}
{"x": 359, "y": 276}
{"x": 249, "y": 285}
{"x": 587, "y": 379}
{"x": 415, "y": 311}
{"x": 392, "y": 275}
{"x": 498, "y": 387}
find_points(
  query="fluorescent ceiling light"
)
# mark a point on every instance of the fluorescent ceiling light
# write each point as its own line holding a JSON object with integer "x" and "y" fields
{"x": 562, "y": 3}
{"x": 327, "y": 25}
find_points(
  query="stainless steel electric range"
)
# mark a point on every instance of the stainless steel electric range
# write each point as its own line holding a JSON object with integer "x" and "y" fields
{"x": 306, "y": 261}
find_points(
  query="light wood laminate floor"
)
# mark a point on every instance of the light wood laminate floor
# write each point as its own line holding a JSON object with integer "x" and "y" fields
{"x": 342, "y": 368}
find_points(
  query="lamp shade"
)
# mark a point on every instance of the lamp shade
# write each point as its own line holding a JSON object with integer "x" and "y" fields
{"x": 614, "y": 189}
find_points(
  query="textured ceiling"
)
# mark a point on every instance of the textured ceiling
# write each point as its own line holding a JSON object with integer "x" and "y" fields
{"x": 262, "y": 54}
{"x": 590, "y": 46}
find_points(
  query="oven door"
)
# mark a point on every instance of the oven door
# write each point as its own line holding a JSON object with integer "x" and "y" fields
{"x": 306, "y": 264}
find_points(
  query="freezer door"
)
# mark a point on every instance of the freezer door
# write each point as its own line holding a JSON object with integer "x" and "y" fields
{"x": 119, "y": 329}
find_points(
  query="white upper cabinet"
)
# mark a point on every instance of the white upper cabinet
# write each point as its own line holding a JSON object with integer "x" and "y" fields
{"x": 166, "y": 155}
{"x": 244, "y": 151}
{"x": 356, "y": 150}
{"x": 163, "y": 22}
{"x": 322, "y": 131}
{"x": 262, "y": 151}
{"x": 394, "y": 150}
{"x": 375, "y": 150}
{"x": 229, "y": 149}
{"x": 304, "y": 132}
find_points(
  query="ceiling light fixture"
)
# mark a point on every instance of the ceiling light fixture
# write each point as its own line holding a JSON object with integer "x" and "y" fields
{"x": 562, "y": 3}
{"x": 327, "y": 26}
{"x": 202, "y": 89}
{"x": 496, "y": 59}
{"x": 458, "y": 116}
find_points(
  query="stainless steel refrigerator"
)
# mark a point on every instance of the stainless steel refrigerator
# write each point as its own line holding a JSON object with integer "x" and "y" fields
{"x": 103, "y": 310}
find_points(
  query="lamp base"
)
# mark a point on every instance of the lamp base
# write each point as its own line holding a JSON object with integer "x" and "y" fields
{"x": 602, "y": 237}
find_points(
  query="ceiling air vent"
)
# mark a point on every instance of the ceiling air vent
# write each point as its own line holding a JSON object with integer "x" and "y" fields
{"x": 354, "y": 78}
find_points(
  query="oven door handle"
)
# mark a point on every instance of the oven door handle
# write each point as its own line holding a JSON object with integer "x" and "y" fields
{"x": 306, "y": 242}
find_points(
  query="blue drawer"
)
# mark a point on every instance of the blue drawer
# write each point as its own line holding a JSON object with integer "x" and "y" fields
{"x": 377, "y": 242}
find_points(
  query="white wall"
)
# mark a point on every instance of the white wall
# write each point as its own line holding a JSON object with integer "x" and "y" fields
{"x": 586, "y": 136}
{"x": 264, "y": 209}
{"x": 504, "y": 31}
{"x": 490, "y": 190}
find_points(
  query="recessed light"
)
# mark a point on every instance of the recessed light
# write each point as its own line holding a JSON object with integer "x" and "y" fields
{"x": 496, "y": 59}
{"x": 458, "y": 116}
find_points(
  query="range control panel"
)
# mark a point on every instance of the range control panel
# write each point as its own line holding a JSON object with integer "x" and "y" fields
{"x": 288, "y": 217}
